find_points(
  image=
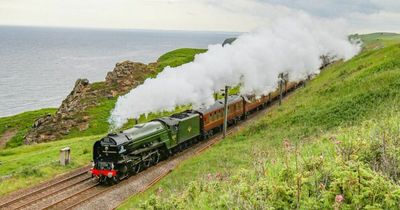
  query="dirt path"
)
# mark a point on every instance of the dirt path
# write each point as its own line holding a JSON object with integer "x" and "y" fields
{"x": 6, "y": 137}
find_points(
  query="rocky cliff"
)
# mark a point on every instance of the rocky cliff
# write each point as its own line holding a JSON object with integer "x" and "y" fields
{"x": 73, "y": 112}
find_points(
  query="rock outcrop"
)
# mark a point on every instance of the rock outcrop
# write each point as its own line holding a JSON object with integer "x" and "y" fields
{"x": 73, "y": 112}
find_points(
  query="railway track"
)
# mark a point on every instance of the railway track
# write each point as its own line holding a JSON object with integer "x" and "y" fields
{"x": 78, "y": 191}
{"x": 77, "y": 197}
{"x": 25, "y": 199}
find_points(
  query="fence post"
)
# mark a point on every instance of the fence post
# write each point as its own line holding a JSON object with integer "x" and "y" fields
{"x": 65, "y": 156}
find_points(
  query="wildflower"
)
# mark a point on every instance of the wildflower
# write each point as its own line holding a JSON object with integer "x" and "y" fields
{"x": 339, "y": 198}
{"x": 219, "y": 176}
{"x": 338, "y": 142}
{"x": 286, "y": 143}
{"x": 159, "y": 191}
{"x": 209, "y": 176}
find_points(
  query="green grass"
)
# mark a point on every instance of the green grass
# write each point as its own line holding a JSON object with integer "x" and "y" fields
{"x": 178, "y": 57}
{"x": 32, "y": 164}
{"x": 325, "y": 141}
{"x": 21, "y": 123}
{"x": 379, "y": 40}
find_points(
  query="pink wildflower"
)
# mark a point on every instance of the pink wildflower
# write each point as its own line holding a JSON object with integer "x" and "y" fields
{"x": 159, "y": 191}
{"x": 339, "y": 198}
{"x": 286, "y": 143}
{"x": 209, "y": 176}
{"x": 219, "y": 176}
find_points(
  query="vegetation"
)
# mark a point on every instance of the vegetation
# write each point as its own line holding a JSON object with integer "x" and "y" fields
{"x": 178, "y": 57}
{"x": 28, "y": 165}
{"x": 333, "y": 144}
{"x": 19, "y": 124}
{"x": 378, "y": 40}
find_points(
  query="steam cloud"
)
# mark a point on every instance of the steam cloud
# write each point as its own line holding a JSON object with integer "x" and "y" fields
{"x": 254, "y": 60}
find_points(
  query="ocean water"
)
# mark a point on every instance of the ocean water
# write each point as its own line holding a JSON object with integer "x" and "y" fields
{"x": 39, "y": 66}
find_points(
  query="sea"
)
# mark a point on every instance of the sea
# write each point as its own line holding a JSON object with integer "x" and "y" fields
{"x": 39, "y": 65}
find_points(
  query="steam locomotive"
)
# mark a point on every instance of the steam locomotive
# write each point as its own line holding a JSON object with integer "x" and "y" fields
{"x": 119, "y": 155}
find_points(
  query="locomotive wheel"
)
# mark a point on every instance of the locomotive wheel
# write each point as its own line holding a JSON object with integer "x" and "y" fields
{"x": 103, "y": 179}
{"x": 115, "y": 180}
{"x": 147, "y": 163}
{"x": 157, "y": 158}
{"x": 137, "y": 168}
{"x": 181, "y": 147}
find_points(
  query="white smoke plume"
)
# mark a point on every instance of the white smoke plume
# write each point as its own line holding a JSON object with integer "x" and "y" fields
{"x": 254, "y": 60}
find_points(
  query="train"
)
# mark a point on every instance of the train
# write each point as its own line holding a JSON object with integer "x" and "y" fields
{"x": 120, "y": 155}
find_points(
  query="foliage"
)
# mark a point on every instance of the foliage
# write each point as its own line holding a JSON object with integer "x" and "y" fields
{"x": 330, "y": 172}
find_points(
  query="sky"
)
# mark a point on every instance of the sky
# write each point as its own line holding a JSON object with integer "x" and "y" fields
{"x": 362, "y": 16}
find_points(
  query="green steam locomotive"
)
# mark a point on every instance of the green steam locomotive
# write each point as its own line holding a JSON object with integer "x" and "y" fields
{"x": 119, "y": 155}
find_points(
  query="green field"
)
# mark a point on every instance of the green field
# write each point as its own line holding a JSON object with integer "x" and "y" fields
{"x": 333, "y": 144}
{"x": 27, "y": 165}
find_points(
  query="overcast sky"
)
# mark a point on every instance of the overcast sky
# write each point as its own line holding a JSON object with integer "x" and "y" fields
{"x": 210, "y": 15}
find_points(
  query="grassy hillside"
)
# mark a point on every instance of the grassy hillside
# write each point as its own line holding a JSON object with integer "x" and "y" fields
{"x": 178, "y": 57}
{"x": 379, "y": 40}
{"x": 16, "y": 126}
{"x": 27, "y": 165}
{"x": 333, "y": 144}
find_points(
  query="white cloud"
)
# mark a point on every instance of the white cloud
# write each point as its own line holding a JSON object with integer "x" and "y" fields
{"x": 221, "y": 15}
{"x": 189, "y": 15}
{"x": 381, "y": 21}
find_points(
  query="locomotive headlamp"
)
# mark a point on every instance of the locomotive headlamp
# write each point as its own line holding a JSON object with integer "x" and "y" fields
{"x": 109, "y": 174}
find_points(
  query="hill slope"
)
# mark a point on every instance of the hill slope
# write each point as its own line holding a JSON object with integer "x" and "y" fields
{"x": 332, "y": 144}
